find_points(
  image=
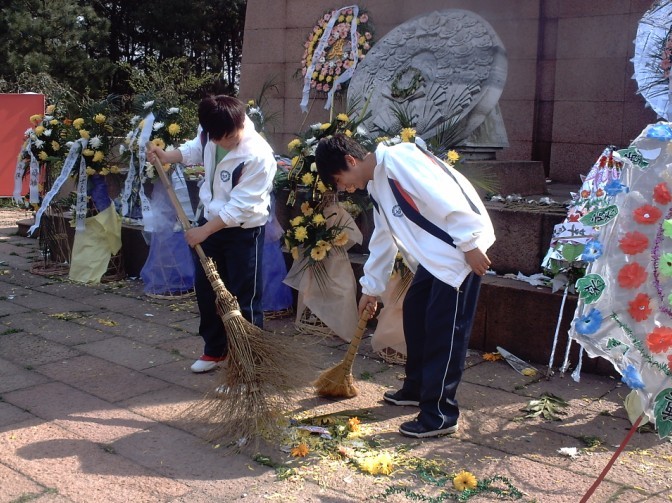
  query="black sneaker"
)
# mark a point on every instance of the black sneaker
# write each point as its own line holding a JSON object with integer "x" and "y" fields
{"x": 416, "y": 429}
{"x": 400, "y": 397}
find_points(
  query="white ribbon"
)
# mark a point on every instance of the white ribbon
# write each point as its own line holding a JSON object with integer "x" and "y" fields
{"x": 130, "y": 176}
{"x": 319, "y": 52}
{"x": 75, "y": 149}
{"x": 33, "y": 182}
{"x": 82, "y": 198}
{"x": 134, "y": 171}
{"x": 18, "y": 173}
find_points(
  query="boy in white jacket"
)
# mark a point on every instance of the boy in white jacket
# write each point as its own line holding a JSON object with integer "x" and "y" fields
{"x": 431, "y": 214}
{"x": 236, "y": 200}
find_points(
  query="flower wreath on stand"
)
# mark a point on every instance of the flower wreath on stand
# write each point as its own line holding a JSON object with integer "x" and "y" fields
{"x": 339, "y": 40}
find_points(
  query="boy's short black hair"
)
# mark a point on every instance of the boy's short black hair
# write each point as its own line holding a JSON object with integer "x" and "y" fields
{"x": 221, "y": 115}
{"x": 330, "y": 156}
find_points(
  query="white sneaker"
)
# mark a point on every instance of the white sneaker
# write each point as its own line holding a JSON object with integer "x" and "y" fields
{"x": 206, "y": 364}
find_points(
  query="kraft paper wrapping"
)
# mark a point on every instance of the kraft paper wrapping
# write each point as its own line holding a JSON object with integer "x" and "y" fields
{"x": 94, "y": 246}
{"x": 390, "y": 328}
{"x": 335, "y": 303}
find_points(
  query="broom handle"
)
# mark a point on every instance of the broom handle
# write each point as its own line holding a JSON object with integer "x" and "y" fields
{"x": 356, "y": 339}
{"x": 181, "y": 215}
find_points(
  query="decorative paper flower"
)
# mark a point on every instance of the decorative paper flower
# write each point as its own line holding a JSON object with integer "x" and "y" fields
{"x": 589, "y": 323}
{"x": 632, "y": 378}
{"x": 665, "y": 264}
{"x": 639, "y": 307}
{"x": 300, "y": 451}
{"x": 464, "y": 480}
{"x": 592, "y": 251}
{"x": 631, "y": 275}
{"x": 661, "y": 194}
{"x": 614, "y": 187}
{"x": 633, "y": 242}
{"x": 646, "y": 214}
{"x": 492, "y": 357}
{"x": 353, "y": 424}
{"x": 659, "y": 340}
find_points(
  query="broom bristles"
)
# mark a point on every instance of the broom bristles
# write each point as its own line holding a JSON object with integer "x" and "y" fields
{"x": 337, "y": 382}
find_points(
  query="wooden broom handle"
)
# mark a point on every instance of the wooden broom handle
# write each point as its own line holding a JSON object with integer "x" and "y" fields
{"x": 181, "y": 215}
{"x": 356, "y": 338}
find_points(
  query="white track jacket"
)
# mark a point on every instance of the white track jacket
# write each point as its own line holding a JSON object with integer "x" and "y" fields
{"x": 426, "y": 210}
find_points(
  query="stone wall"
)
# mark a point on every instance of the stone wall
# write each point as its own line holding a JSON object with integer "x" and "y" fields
{"x": 569, "y": 91}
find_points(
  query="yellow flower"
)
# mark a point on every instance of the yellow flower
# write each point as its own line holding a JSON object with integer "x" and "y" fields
{"x": 55, "y": 146}
{"x": 353, "y": 424}
{"x": 35, "y": 118}
{"x": 323, "y": 244}
{"x": 295, "y": 253}
{"x": 369, "y": 465}
{"x": 250, "y": 103}
{"x": 453, "y": 157}
{"x": 492, "y": 357}
{"x": 50, "y": 109}
{"x": 84, "y": 134}
{"x": 90, "y": 171}
{"x": 105, "y": 171}
{"x": 78, "y": 123}
{"x": 174, "y": 129}
{"x": 329, "y": 78}
{"x": 341, "y": 239}
{"x": 296, "y": 221}
{"x": 306, "y": 208}
{"x": 348, "y": 133}
{"x": 53, "y": 122}
{"x": 321, "y": 187}
{"x": 300, "y": 450}
{"x": 385, "y": 463}
{"x": 407, "y": 134}
{"x": 159, "y": 143}
{"x": 39, "y": 130}
{"x": 307, "y": 179}
{"x": 326, "y": 125}
{"x": 318, "y": 253}
{"x": 98, "y": 156}
{"x": 295, "y": 161}
{"x": 301, "y": 234}
{"x": 293, "y": 144}
{"x": 115, "y": 169}
{"x": 141, "y": 124}
{"x": 99, "y": 118}
{"x": 87, "y": 152}
{"x": 464, "y": 480}
{"x": 319, "y": 219}
{"x": 381, "y": 139}
{"x": 342, "y": 117}
{"x": 42, "y": 156}
{"x": 348, "y": 19}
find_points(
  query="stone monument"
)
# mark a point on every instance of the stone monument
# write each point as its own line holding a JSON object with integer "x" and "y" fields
{"x": 447, "y": 70}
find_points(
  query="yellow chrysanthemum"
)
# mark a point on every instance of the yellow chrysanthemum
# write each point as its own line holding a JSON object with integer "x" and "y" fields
{"x": 42, "y": 156}
{"x": 453, "y": 156}
{"x": 369, "y": 465}
{"x": 307, "y": 179}
{"x": 321, "y": 187}
{"x": 87, "y": 152}
{"x": 295, "y": 253}
{"x": 90, "y": 171}
{"x": 293, "y": 144}
{"x": 98, "y": 156}
{"x": 342, "y": 117}
{"x": 35, "y": 118}
{"x": 348, "y": 133}
{"x": 300, "y": 450}
{"x": 78, "y": 123}
{"x": 464, "y": 480}
{"x": 53, "y": 122}
{"x": 326, "y": 125}
{"x": 296, "y": 221}
{"x": 55, "y": 146}
{"x": 39, "y": 130}
{"x": 353, "y": 424}
{"x": 174, "y": 129}
{"x": 323, "y": 244}
{"x": 250, "y": 103}
{"x": 295, "y": 161}
{"x": 51, "y": 109}
{"x": 306, "y": 209}
{"x": 319, "y": 219}
{"x": 159, "y": 143}
{"x": 385, "y": 463}
{"x": 301, "y": 234}
{"x": 407, "y": 134}
{"x": 318, "y": 253}
{"x": 105, "y": 171}
{"x": 99, "y": 118}
{"x": 84, "y": 134}
{"x": 341, "y": 239}
{"x": 115, "y": 169}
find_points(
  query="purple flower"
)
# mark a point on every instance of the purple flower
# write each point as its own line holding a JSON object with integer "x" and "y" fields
{"x": 589, "y": 323}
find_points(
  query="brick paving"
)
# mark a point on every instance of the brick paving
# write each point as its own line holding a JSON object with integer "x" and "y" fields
{"x": 95, "y": 383}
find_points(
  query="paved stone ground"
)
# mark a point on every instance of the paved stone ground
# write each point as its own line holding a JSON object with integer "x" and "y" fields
{"x": 94, "y": 383}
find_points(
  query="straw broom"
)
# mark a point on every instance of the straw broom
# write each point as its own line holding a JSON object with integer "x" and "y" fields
{"x": 262, "y": 372}
{"x": 338, "y": 381}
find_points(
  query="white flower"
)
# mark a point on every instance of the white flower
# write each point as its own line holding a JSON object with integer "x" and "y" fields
{"x": 69, "y": 144}
{"x": 95, "y": 142}
{"x": 135, "y": 119}
{"x": 570, "y": 452}
{"x": 316, "y": 126}
{"x": 147, "y": 104}
{"x": 157, "y": 126}
{"x": 122, "y": 149}
{"x": 39, "y": 143}
{"x": 47, "y": 132}
{"x": 28, "y": 132}
{"x": 169, "y": 148}
{"x": 310, "y": 141}
{"x": 173, "y": 110}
